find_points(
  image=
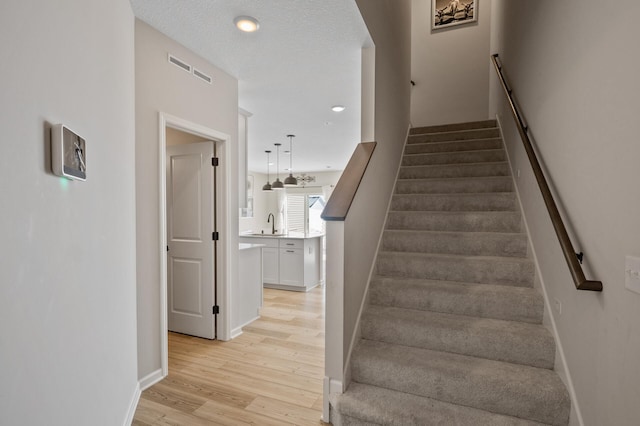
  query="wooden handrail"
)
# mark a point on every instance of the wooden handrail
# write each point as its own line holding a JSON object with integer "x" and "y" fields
{"x": 340, "y": 201}
{"x": 570, "y": 254}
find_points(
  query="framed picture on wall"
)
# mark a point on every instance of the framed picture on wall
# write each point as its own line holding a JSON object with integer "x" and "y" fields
{"x": 447, "y": 13}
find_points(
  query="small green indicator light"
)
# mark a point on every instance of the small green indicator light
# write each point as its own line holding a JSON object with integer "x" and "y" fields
{"x": 64, "y": 183}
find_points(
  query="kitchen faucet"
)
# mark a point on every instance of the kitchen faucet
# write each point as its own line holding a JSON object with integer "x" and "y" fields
{"x": 273, "y": 224}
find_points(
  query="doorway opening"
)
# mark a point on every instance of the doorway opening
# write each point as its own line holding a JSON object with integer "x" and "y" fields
{"x": 174, "y": 131}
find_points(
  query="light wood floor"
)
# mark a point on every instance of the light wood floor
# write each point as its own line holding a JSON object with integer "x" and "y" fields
{"x": 270, "y": 375}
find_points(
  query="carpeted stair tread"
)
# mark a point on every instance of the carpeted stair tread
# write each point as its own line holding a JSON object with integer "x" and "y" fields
{"x": 461, "y": 157}
{"x": 455, "y": 185}
{"x": 457, "y": 135}
{"x": 483, "y": 124}
{"x": 449, "y": 267}
{"x": 500, "y": 340}
{"x": 452, "y": 331}
{"x": 453, "y": 146}
{"x": 500, "y": 168}
{"x": 491, "y": 201}
{"x": 456, "y": 221}
{"x": 369, "y": 405}
{"x": 471, "y": 299}
{"x": 515, "y": 390}
{"x": 467, "y": 243}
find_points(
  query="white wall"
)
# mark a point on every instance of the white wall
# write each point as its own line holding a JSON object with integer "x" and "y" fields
{"x": 263, "y": 204}
{"x": 449, "y": 67}
{"x": 267, "y": 202}
{"x": 573, "y": 72}
{"x": 67, "y": 269}
{"x": 389, "y": 23}
{"x": 161, "y": 86}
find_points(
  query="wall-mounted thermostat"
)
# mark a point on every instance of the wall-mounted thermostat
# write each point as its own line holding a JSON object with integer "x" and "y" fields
{"x": 68, "y": 153}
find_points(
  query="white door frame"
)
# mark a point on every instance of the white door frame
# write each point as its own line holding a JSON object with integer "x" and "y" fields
{"x": 224, "y": 226}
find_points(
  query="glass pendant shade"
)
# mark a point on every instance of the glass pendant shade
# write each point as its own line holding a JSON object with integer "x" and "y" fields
{"x": 277, "y": 184}
{"x": 291, "y": 181}
{"x": 267, "y": 186}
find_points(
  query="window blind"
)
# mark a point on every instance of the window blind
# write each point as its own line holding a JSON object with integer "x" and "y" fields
{"x": 296, "y": 212}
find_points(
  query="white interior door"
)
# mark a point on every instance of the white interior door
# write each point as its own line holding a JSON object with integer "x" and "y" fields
{"x": 191, "y": 251}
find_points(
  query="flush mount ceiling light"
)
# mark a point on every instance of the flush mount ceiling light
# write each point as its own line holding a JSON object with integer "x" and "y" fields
{"x": 248, "y": 24}
{"x": 267, "y": 186}
{"x": 277, "y": 184}
{"x": 337, "y": 108}
{"x": 291, "y": 181}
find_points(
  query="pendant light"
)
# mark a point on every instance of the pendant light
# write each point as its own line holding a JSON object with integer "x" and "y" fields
{"x": 277, "y": 184}
{"x": 267, "y": 186}
{"x": 291, "y": 181}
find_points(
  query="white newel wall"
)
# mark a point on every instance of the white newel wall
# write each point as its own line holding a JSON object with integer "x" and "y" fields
{"x": 68, "y": 262}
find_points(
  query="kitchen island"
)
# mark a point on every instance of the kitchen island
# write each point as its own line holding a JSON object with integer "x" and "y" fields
{"x": 290, "y": 261}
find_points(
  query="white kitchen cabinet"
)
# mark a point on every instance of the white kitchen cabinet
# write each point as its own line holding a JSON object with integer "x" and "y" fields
{"x": 270, "y": 265}
{"x": 289, "y": 263}
{"x": 292, "y": 267}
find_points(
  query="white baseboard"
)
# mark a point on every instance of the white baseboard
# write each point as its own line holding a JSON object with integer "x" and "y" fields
{"x": 235, "y": 332}
{"x": 238, "y": 330}
{"x": 329, "y": 386}
{"x": 150, "y": 379}
{"x": 133, "y": 405}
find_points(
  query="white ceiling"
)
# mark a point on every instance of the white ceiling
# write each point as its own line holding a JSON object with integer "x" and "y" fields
{"x": 304, "y": 59}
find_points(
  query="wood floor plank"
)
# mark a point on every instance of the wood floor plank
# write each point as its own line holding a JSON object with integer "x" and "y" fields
{"x": 231, "y": 416}
{"x": 285, "y": 412}
{"x": 158, "y": 414}
{"x": 270, "y": 375}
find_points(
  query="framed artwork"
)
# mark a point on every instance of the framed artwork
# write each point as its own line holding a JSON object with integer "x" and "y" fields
{"x": 448, "y": 13}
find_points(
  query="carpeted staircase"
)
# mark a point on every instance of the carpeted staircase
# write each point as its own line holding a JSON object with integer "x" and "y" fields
{"x": 453, "y": 331}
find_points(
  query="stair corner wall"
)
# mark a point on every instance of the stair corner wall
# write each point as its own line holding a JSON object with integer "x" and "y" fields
{"x": 352, "y": 244}
{"x": 523, "y": 175}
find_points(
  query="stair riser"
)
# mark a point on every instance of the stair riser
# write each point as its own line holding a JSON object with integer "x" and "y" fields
{"x": 452, "y": 243}
{"x": 474, "y": 270}
{"x": 454, "y": 127}
{"x": 466, "y": 202}
{"x": 497, "y": 155}
{"x": 462, "y": 170}
{"x": 433, "y": 147}
{"x": 370, "y": 405}
{"x": 484, "y": 301}
{"x": 506, "y": 341}
{"x": 459, "y": 221}
{"x": 455, "y": 136}
{"x": 449, "y": 186}
{"x": 524, "y": 392}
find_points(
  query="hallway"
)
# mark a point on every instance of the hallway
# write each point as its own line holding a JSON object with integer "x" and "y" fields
{"x": 270, "y": 375}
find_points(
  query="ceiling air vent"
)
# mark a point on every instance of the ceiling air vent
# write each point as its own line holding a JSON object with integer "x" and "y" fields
{"x": 177, "y": 62}
{"x": 202, "y": 76}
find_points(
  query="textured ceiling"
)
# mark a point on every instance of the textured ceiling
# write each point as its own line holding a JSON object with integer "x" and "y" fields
{"x": 304, "y": 59}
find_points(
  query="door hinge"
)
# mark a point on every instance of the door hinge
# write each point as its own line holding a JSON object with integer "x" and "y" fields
{"x": 167, "y": 248}
{"x": 214, "y": 161}
{"x": 215, "y": 236}
{"x": 216, "y": 310}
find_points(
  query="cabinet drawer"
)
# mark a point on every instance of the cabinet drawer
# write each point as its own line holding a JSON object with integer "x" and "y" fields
{"x": 292, "y": 244}
{"x": 268, "y": 242}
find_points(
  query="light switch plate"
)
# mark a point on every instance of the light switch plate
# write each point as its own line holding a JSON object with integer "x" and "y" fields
{"x": 632, "y": 273}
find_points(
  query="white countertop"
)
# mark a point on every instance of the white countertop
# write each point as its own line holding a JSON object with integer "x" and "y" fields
{"x": 293, "y": 235}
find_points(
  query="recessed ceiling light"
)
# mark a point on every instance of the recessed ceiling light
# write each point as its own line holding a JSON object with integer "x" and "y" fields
{"x": 337, "y": 108}
{"x": 247, "y": 24}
